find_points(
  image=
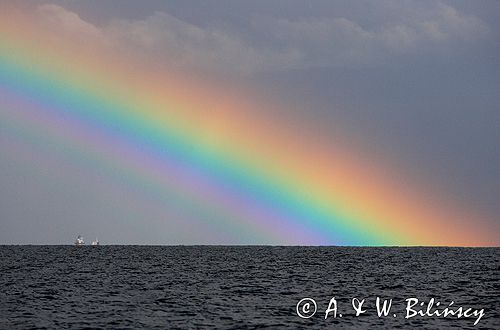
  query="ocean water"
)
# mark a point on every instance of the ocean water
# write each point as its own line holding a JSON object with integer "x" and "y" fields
{"x": 223, "y": 287}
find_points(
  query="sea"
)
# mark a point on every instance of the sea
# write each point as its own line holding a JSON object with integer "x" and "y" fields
{"x": 248, "y": 287}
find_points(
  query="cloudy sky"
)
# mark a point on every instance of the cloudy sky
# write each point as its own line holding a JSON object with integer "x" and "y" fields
{"x": 419, "y": 80}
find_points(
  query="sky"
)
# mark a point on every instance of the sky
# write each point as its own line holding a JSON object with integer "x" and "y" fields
{"x": 404, "y": 92}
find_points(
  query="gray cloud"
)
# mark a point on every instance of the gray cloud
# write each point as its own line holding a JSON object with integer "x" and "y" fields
{"x": 66, "y": 22}
{"x": 283, "y": 43}
{"x": 181, "y": 44}
{"x": 339, "y": 41}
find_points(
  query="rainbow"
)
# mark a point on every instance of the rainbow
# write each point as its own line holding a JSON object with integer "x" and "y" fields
{"x": 169, "y": 136}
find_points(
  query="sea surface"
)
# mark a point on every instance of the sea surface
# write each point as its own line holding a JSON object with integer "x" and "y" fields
{"x": 243, "y": 287}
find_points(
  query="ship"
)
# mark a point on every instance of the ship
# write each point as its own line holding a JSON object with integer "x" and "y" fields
{"x": 96, "y": 242}
{"x": 79, "y": 240}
